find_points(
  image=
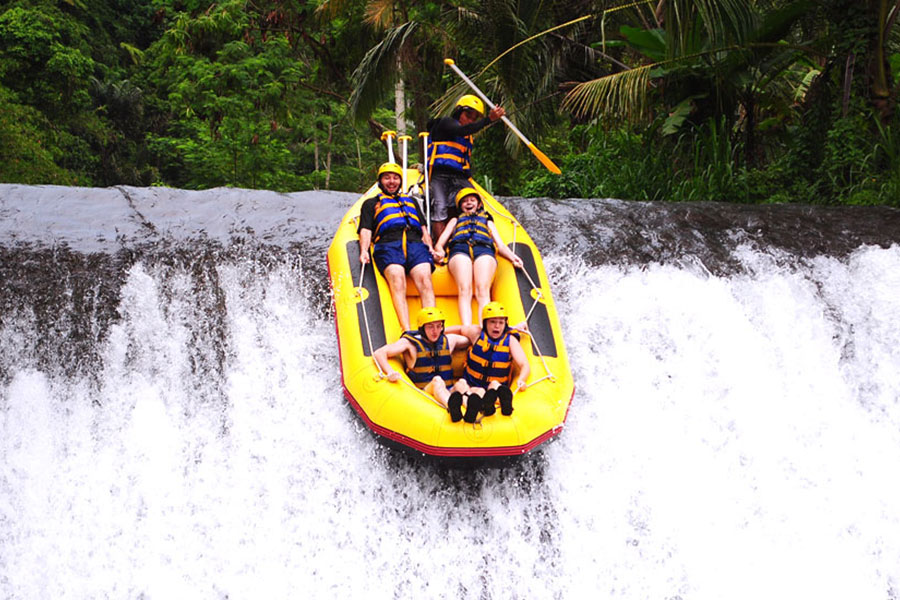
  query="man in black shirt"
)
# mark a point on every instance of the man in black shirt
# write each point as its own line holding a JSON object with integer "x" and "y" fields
{"x": 393, "y": 221}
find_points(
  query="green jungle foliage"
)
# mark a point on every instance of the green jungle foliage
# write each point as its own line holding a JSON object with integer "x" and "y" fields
{"x": 673, "y": 100}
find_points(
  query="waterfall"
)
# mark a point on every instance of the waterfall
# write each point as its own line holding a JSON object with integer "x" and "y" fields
{"x": 172, "y": 423}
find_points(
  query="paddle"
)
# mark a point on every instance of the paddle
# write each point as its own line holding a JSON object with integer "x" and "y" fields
{"x": 389, "y": 136}
{"x": 424, "y": 136}
{"x": 534, "y": 150}
{"x": 403, "y": 139}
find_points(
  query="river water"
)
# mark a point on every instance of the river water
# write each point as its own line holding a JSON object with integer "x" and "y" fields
{"x": 172, "y": 423}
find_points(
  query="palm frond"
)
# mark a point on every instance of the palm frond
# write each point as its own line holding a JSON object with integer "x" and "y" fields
{"x": 377, "y": 72}
{"x": 689, "y": 22}
{"x": 380, "y": 13}
{"x": 621, "y": 96}
{"x": 330, "y": 9}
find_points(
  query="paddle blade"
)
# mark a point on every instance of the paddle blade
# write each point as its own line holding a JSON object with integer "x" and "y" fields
{"x": 544, "y": 159}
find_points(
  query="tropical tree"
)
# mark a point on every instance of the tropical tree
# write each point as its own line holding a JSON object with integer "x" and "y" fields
{"x": 244, "y": 101}
{"x": 405, "y": 60}
{"x": 706, "y": 60}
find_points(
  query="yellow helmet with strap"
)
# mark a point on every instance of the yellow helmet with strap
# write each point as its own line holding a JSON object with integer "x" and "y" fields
{"x": 390, "y": 167}
{"x": 429, "y": 314}
{"x": 467, "y": 191}
{"x": 471, "y": 102}
{"x": 494, "y": 310}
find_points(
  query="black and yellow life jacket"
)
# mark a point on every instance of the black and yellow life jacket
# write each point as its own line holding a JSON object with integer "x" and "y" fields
{"x": 455, "y": 154}
{"x": 472, "y": 230}
{"x": 398, "y": 211}
{"x": 431, "y": 359}
{"x": 490, "y": 360}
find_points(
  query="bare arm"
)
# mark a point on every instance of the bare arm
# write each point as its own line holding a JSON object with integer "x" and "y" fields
{"x": 521, "y": 362}
{"x": 502, "y": 249}
{"x": 426, "y": 238}
{"x": 381, "y": 356}
{"x": 456, "y": 341}
{"x": 470, "y": 332}
{"x": 445, "y": 237}
{"x": 365, "y": 241}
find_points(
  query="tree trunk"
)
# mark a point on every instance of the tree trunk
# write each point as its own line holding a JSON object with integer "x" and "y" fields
{"x": 328, "y": 158}
{"x": 881, "y": 86}
{"x": 400, "y": 102}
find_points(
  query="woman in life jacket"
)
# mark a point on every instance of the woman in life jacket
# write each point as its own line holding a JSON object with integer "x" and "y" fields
{"x": 473, "y": 244}
{"x": 494, "y": 356}
{"x": 426, "y": 354}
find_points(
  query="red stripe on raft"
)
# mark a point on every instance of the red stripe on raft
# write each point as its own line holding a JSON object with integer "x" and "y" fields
{"x": 451, "y": 451}
{"x": 439, "y": 450}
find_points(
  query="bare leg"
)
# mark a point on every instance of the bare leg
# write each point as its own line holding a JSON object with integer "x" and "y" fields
{"x": 485, "y": 267}
{"x": 437, "y": 388}
{"x": 461, "y": 268}
{"x": 421, "y": 276}
{"x": 395, "y": 275}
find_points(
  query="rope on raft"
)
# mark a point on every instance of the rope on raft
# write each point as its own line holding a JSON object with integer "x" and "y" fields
{"x": 539, "y": 295}
{"x": 381, "y": 374}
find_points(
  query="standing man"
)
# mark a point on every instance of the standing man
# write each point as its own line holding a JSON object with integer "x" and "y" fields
{"x": 450, "y": 154}
{"x": 393, "y": 222}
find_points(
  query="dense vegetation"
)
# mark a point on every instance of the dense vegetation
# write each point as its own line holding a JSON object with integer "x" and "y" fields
{"x": 732, "y": 100}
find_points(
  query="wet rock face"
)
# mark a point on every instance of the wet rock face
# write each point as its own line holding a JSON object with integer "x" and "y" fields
{"x": 618, "y": 232}
{"x": 65, "y": 252}
{"x": 54, "y": 304}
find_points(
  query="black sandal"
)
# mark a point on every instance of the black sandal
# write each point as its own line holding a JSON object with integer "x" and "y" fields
{"x": 473, "y": 406}
{"x": 506, "y": 396}
{"x": 489, "y": 403}
{"x": 454, "y": 405}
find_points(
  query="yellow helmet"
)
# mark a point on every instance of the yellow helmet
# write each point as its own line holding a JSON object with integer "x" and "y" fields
{"x": 473, "y": 102}
{"x": 493, "y": 310}
{"x": 390, "y": 167}
{"x": 429, "y": 314}
{"x": 467, "y": 191}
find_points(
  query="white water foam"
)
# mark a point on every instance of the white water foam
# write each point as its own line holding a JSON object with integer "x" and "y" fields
{"x": 725, "y": 443}
{"x": 729, "y": 438}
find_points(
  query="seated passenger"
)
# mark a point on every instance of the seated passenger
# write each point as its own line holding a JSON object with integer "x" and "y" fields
{"x": 426, "y": 354}
{"x": 494, "y": 351}
{"x": 393, "y": 221}
{"x": 473, "y": 244}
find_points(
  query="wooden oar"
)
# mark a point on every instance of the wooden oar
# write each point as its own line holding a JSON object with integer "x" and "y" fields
{"x": 534, "y": 150}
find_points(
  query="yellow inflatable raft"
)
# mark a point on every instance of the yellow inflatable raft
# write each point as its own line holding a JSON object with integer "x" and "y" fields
{"x": 400, "y": 412}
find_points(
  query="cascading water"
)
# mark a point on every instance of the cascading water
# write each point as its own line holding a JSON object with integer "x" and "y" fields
{"x": 172, "y": 423}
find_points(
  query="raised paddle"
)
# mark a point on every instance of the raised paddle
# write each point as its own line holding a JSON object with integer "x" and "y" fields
{"x": 534, "y": 150}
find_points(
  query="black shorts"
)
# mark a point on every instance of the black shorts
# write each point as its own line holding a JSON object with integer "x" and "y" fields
{"x": 444, "y": 187}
